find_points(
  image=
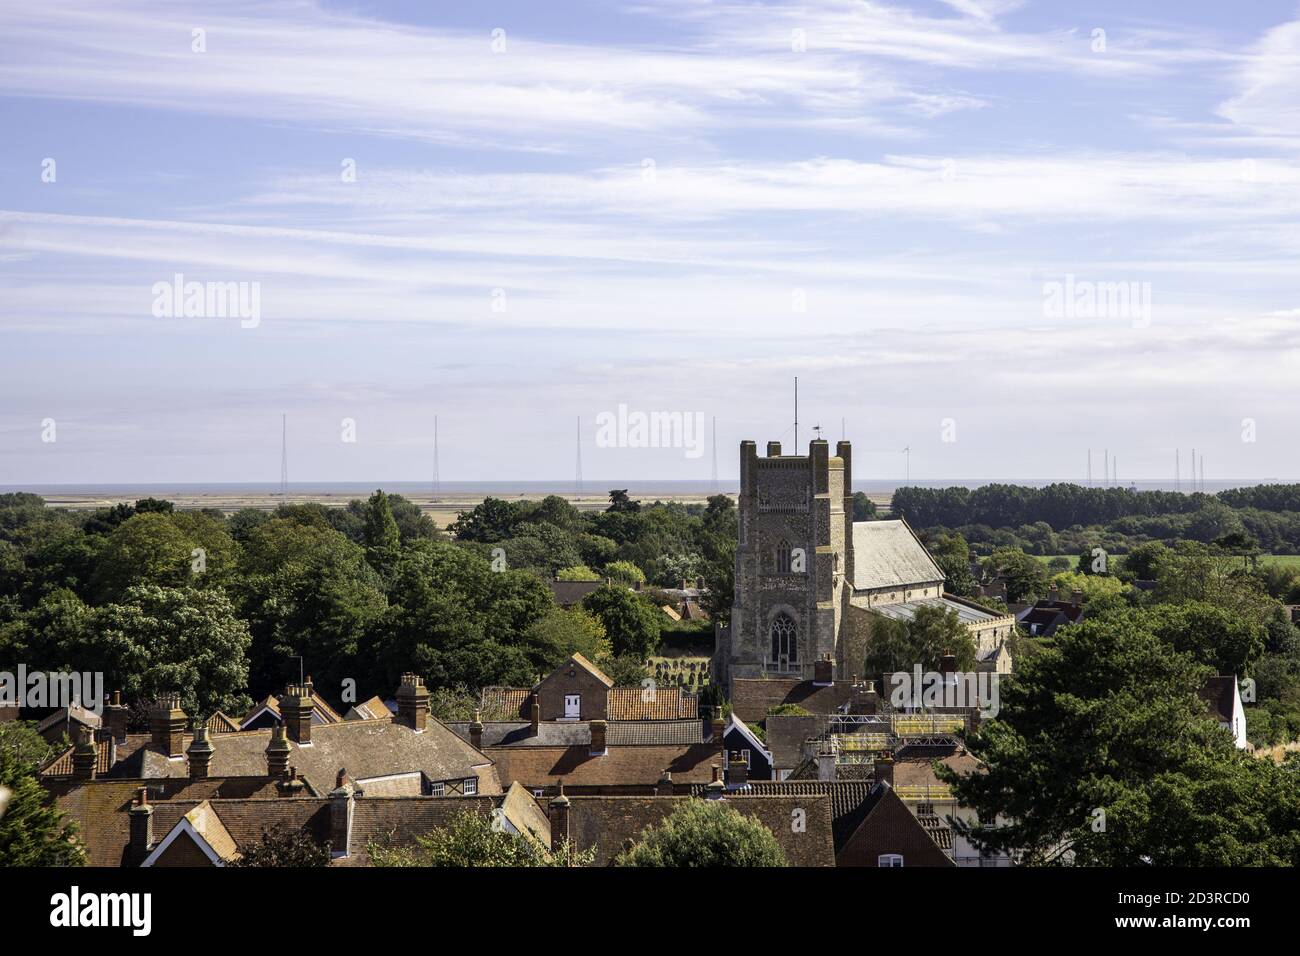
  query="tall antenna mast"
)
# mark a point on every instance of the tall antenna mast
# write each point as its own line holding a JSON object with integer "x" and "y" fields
{"x": 437, "y": 479}
{"x": 1202, "y": 471}
{"x": 284, "y": 458}
{"x": 1194, "y": 488}
{"x": 1105, "y": 467}
{"x": 578, "y": 474}
{"x": 1089, "y": 467}
{"x": 796, "y": 414}
{"x": 1178, "y": 480}
{"x": 713, "y": 482}
{"x": 907, "y": 459}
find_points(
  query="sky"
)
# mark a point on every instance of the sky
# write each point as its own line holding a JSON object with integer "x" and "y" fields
{"x": 997, "y": 233}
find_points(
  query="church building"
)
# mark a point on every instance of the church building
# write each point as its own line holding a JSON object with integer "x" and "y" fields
{"x": 809, "y": 579}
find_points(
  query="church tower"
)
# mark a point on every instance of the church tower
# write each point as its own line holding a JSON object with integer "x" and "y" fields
{"x": 793, "y": 563}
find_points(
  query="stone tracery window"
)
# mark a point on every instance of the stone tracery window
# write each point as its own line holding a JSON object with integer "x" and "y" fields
{"x": 785, "y": 642}
{"x": 783, "y": 557}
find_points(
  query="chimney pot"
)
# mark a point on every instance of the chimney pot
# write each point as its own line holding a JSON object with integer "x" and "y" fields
{"x": 167, "y": 726}
{"x": 84, "y": 755}
{"x": 277, "y": 754}
{"x": 296, "y": 709}
{"x": 476, "y": 731}
{"x": 200, "y": 754}
{"x": 140, "y": 818}
{"x": 413, "y": 702}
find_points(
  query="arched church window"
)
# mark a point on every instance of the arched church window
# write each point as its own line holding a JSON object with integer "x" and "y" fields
{"x": 785, "y": 642}
{"x": 783, "y": 557}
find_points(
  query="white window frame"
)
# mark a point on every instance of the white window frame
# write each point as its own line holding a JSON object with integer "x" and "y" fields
{"x": 470, "y": 788}
{"x": 889, "y": 861}
{"x": 437, "y": 789}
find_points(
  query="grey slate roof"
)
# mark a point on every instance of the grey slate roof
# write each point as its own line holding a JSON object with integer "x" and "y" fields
{"x": 887, "y": 554}
{"x": 907, "y": 610}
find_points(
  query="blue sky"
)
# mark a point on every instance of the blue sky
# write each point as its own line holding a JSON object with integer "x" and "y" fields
{"x": 681, "y": 206}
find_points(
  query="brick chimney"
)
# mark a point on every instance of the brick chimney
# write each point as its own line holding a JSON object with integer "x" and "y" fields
{"x": 476, "y": 731}
{"x": 737, "y": 770}
{"x": 115, "y": 714}
{"x": 536, "y": 714}
{"x": 1076, "y": 596}
{"x": 141, "y": 821}
{"x": 664, "y": 788}
{"x": 296, "y": 710}
{"x": 773, "y": 449}
{"x": 558, "y": 812}
{"x": 1054, "y": 594}
{"x": 341, "y": 806}
{"x": 716, "y": 789}
{"x": 826, "y": 766}
{"x": 866, "y": 700}
{"x": 277, "y": 754}
{"x": 167, "y": 726}
{"x": 84, "y": 755}
{"x": 200, "y": 754}
{"x": 719, "y": 727}
{"x": 598, "y": 748}
{"x": 413, "y": 702}
{"x": 824, "y": 671}
{"x": 884, "y": 767}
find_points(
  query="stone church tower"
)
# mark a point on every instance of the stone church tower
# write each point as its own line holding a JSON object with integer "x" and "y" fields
{"x": 794, "y": 563}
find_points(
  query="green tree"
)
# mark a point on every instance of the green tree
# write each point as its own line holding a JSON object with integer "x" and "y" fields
{"x": 631, "y": 623}
{"x": 33, "y": 831}
{"x": 620, "y": 503}
{"x": 383, "y": 540}
{"x": 625, "y": 573}
{"x": 952, "y": 554}
{"x": 170, "y": 639}
{"x": 472, "y": 840}
{"x": 1025, "y": 576}
{"x": 933, "y": 632}
{"x": 705, "y": 833}
{"x": 1102, "y": 754}
{"x": 563, "y": 632}
{"x": 579, "y": 572}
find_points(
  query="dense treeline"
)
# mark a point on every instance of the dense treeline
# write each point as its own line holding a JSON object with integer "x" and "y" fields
{"x": 221, "y": 607}
{"x": 1067, "y": 519}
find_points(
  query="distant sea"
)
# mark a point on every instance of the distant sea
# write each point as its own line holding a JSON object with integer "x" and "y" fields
{"x": 589, "y": 486}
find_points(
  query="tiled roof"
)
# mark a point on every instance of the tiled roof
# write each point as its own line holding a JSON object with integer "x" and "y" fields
{"x": 365, "y": 748}
{"x": 550, "y": 733}
{"x": 219, "y": 723}
{"x": 786, "y": 736}
{"x": 99, "y": 807}
{"x": 752, "y": 698}
{"x": 504, "y": 703}
{"x": 327, "y": 714}
{"x": 618, "y": 766}
{"x": 886, "y": 554}
{"x": 565, "y": 733}
{"x": 591, "y": 669}
{"x": 849, "y": 800}
{"x": 372, "y": 709}
{"x": 657, "y": 732}
{"x": 569, "y": 593}
{"x": 74, "y": 714}
{"x": 398, "y": 821}
{"x": 611, "y": 824}
{"x": 668, "y": 703}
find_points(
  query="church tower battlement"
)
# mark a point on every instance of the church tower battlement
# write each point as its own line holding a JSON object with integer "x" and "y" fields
{"x": 794, "y": 562}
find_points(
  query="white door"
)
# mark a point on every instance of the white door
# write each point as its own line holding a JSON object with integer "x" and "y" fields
{"x": 572, "y": 706}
